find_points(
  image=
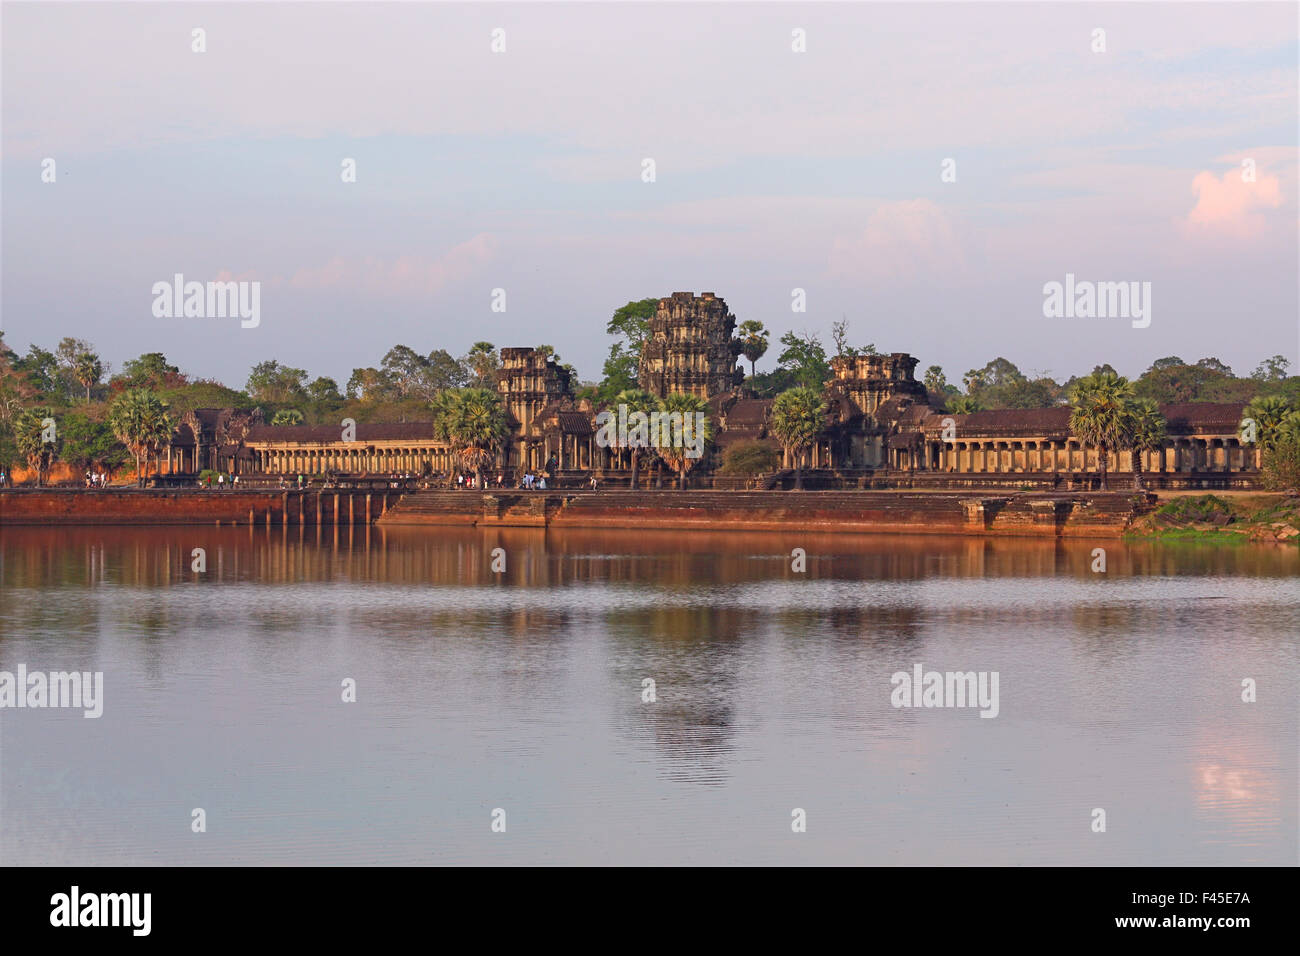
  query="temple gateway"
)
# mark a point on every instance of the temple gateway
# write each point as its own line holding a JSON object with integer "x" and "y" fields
{"x": 880, "y": 429}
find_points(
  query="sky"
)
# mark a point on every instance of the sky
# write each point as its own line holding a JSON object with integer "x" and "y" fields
{"x": 775, "y": 169}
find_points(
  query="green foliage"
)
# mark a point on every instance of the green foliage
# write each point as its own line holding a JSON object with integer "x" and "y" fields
{"x": 1280, "y": 469}
{"x": 151, "y": 370}
{"x": 482, "y": 360}
{"x": 1272, "y": 369}
{"x": 90, "y": 443}
{"x": 34, "y": 443}
{"x": 274, "y": 384}
{"x": 1000, "y": 384}
{"x": 1202, "y": 508}
{"x": 631, "y": 323}
{"x": 1268, "y": 412}
{"x": 751, "y": 458}
{"x": 140, "y": 420}
{"x": 203, "y": 393}
{"x": 805, "y": 358}
{"x": 753, "y": 342}
{"x": 619, "y": 372}
{"x": 631, "y": 326}
{"x": 798, "y": 417}
{"x": 1100, "y": 414}
{"x": 962, "y": 404}
{"x": 771, "y": 384}
{"x": 42, "y": 371}
{"x": 675, "y": 454}
{"x": 1170, "y": 380}
{"x": 287, "y": 416}
{"x": 473, "y": 421}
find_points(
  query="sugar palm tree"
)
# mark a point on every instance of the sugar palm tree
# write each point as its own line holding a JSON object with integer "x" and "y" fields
{"x": 287, "y": 416}
{"x": 473, "y": 421}
{"x": 674, "y": 452}
{"x": 34, "y": 442}
{"x": 140, "y": 421}
{"x": 1268, "y": 414}
{"x": 753, "y": 342}
{"x": 1099, "y": 414}
{"x": 798, "y": 417}
{"x": 1145, "y": 429}
{"x": 637, "y": 400}
{"x": 88, "y": 370}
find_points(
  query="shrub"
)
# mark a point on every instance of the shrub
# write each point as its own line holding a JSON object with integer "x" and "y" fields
{"x": 1280, "y": 470}
{"x": 750, "y": 458}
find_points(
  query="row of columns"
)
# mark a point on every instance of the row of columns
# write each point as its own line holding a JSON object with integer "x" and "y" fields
{"x": 308, "y": 461}
{"x": 993, "y": 455}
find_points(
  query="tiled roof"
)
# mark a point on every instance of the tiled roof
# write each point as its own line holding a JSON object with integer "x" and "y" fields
{"x": 748, "y": 413}
{"x": 378, "y": 431}
{"x": 575, "y": 423}
{"x": 1203, "y": 416}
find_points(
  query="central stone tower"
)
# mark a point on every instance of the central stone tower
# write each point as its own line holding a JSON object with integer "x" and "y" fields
{"x": 692, "y": 347}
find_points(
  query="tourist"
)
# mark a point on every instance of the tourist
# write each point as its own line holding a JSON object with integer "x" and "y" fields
{"x": 593, "y": 482}
{"x": 541, "y": 483}
{"x": 221, "y": 482}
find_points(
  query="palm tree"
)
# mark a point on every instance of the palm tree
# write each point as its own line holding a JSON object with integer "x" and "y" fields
{"x": 753, "y": 342}
{"x": 482, "y": 360}
{"x": 1146, "y": 429}
{"x": 1100, "y": 416}
{"x": 637, "y": 400}
{"x": 798, "y": 417}
{"x": 962, "y": 404}
{"x": 473, "y": 421}
{"x": 140, "y": 421}
{"x": 1268, "y": 414}
{"x": 88, "y": 370}
{"x": 684, "y": 408}
{"x": 287, "y": 416}
{"x": 34, "y": 443}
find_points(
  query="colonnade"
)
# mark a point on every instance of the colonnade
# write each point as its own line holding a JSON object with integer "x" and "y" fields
{"x": 353, "y": 460}
{"x": 1051, "y": 455}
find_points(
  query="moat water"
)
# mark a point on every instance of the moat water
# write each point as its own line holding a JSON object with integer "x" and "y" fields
{"x": 522, "y": 691}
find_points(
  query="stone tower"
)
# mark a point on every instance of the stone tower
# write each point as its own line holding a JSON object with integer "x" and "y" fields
{"x": 692, "y": 347}
{"x": 528, "y": 381}
{"x": 871, "y": 381}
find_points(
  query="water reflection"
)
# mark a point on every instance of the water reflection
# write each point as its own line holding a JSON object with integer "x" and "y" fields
{"x": 524, "y": 687}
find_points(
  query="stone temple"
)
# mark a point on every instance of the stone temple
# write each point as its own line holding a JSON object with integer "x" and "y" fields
{"x": 880, "y": 429}
{"x": 692, "y": 347}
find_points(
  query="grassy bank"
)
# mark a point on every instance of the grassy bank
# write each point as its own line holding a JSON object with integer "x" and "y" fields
{"x": 1223, "y": 519}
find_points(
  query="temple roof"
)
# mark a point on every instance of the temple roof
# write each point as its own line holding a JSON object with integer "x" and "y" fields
{"x": 327, "y": 434}
{"x": 575, "y": 423}
{"x": 1203, "y": 416}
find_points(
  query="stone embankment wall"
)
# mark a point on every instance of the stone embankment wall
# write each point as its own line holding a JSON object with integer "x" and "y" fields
{"x": 1092, "y": 514}
{"x": 1028, "y": 513}
{"x": 144, "y": 507}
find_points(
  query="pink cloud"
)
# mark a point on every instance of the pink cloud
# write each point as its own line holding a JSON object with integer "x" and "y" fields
{"x": 408, "y": 274}
{"x": 1232, "y": 205}
{"x": 901, "y": 240}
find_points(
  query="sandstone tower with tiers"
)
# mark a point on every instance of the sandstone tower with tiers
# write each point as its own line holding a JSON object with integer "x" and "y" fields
{"x": 692, "y": 347}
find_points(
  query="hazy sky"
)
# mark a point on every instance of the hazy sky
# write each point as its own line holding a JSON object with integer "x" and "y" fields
{"x": 775, "y": 170}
